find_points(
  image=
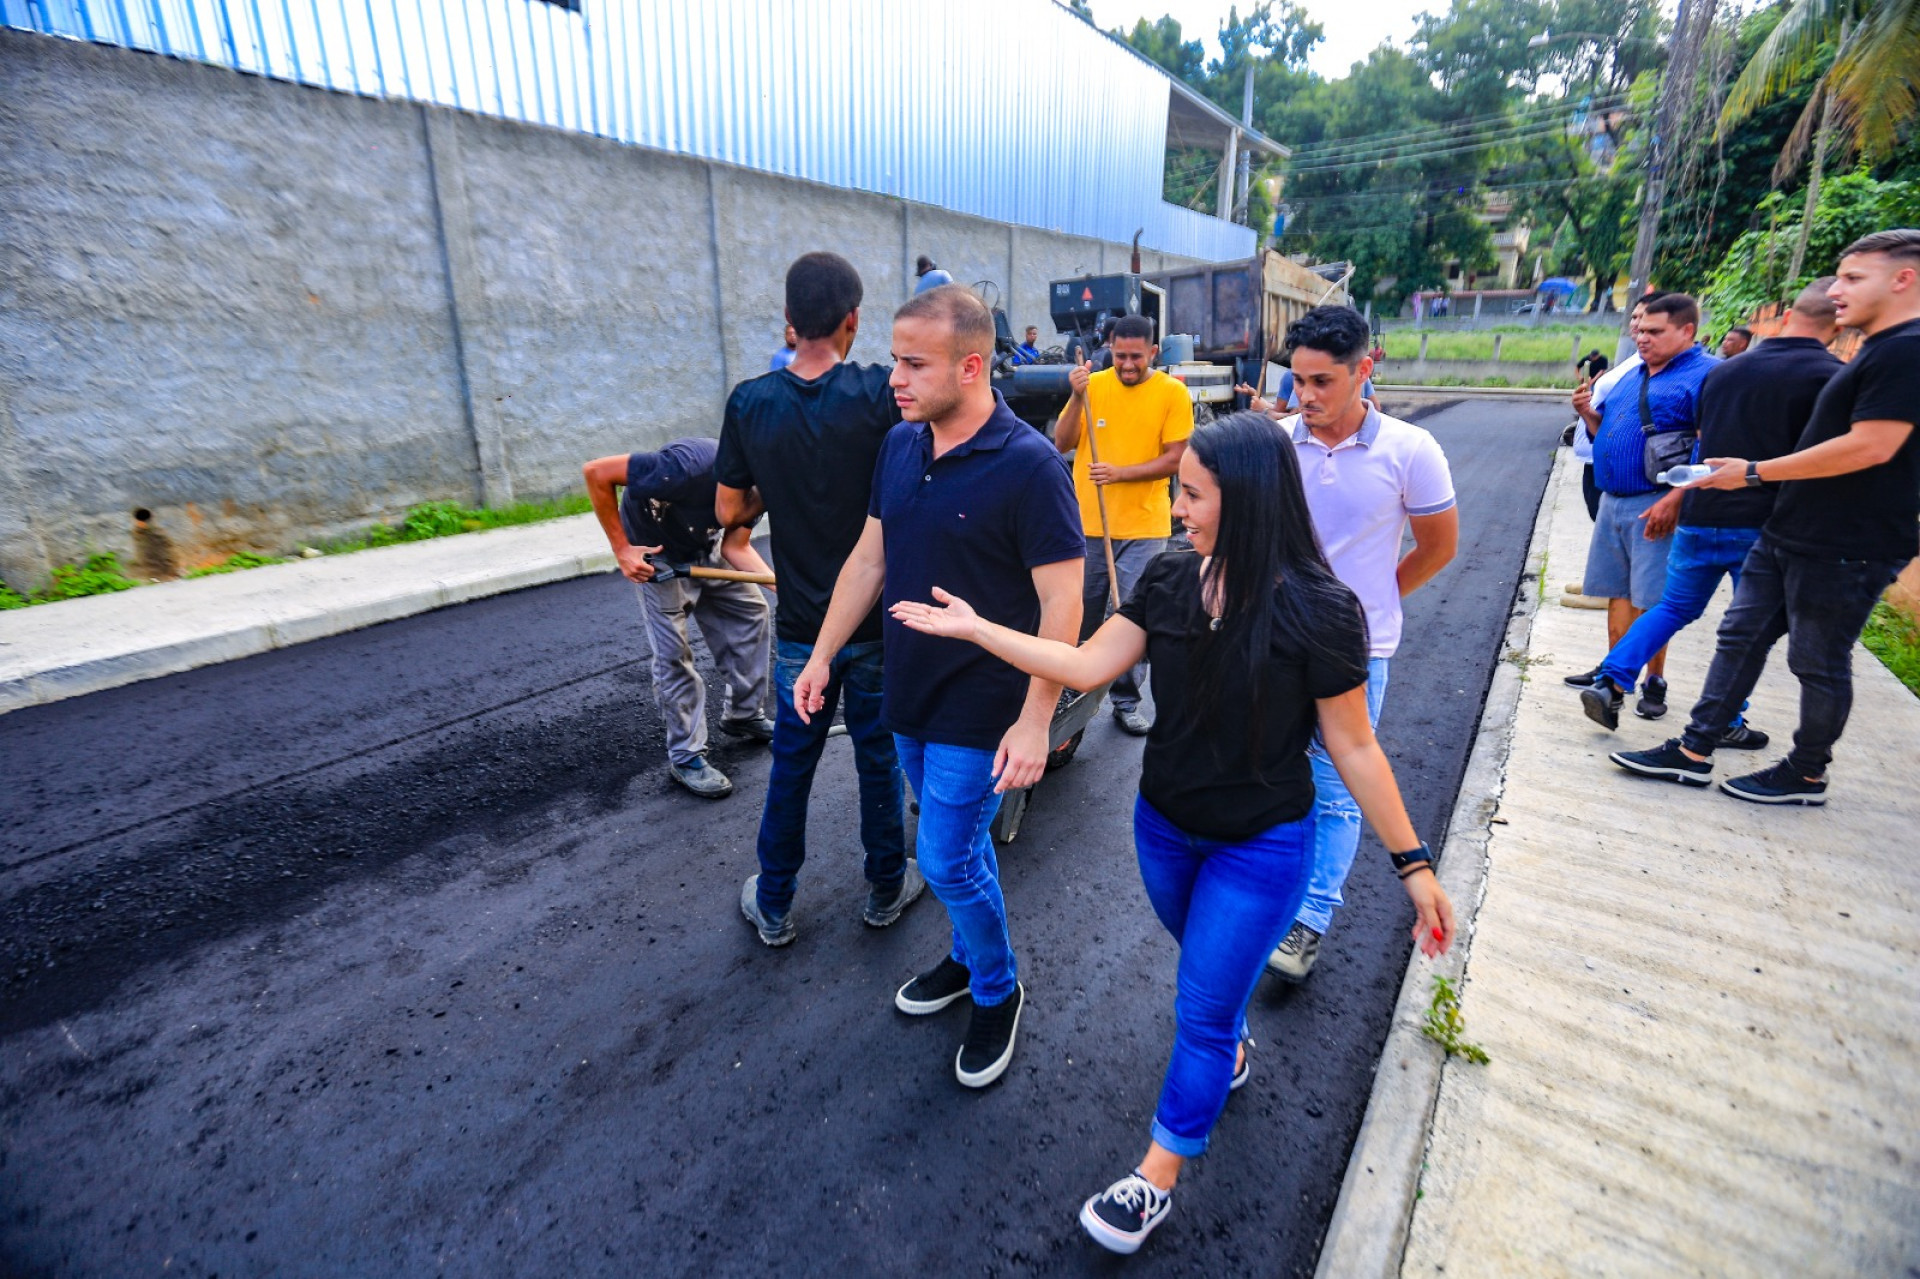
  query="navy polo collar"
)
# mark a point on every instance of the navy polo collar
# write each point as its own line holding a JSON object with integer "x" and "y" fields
{"x": 993, "y": 433}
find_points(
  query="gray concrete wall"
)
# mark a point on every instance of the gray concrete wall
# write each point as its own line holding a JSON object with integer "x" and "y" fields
{"x": 266, "y": 314}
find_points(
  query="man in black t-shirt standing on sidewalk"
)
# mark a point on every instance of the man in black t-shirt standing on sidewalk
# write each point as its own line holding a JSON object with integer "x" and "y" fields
{"x": 1845, "y": 524}
{"x": 800, "y": 443}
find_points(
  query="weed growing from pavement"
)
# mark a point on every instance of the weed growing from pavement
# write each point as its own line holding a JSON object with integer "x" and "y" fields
{"x": 1894, "y": 638}
{"x": 1444, "y": 1024}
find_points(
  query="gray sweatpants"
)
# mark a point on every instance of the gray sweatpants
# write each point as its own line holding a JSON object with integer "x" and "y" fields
{"x": 1131, "y": 557}
{"x": 734, "y": 619}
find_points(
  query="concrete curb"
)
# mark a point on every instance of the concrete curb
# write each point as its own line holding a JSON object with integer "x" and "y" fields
{"x": 1367, "y": 1236}
{"x": 264, "y": 626}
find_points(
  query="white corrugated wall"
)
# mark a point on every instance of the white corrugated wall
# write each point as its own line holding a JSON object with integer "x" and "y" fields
{"x": 1007, "y": 109}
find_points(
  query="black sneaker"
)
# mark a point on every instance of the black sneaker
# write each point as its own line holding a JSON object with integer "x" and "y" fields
{"x": 1583, "y": 679}
{"x": 934, "y": 989}
{"x": 985, "y": 1055}
{"x": 1653, "y": 698}
{"x": 884, "y": 905}
{"x": 1601, "y": 701}
{"x": 775, "y": 930}
{"x": 1744, "y": 737}
{"x": 1122, "y": 1216}
{"x": 1668, "y": 762}
{"x": 1781, "y": 784}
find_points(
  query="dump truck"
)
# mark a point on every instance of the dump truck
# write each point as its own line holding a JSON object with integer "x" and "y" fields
{"x": 1222, "y": 324}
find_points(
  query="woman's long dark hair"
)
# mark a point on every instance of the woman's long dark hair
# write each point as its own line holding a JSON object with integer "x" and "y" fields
{"x": 1265, "y": 540}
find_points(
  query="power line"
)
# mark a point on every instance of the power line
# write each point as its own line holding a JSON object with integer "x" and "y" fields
{"x": 1609, "y": 103}
{"x": 1481, "y": 144}
{"x": 1489, "y": 137}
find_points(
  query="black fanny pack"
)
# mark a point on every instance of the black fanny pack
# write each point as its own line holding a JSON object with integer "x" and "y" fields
{"x": 1661, "y": 450}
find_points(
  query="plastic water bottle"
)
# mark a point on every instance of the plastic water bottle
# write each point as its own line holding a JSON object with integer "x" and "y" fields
{"x": 1681, "y": 476}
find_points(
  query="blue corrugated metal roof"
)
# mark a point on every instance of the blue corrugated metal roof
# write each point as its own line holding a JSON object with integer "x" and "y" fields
{"x": 1007, "y": 109}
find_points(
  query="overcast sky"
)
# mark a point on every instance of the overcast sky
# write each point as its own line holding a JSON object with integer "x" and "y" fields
{"x": 1353, "y": 27}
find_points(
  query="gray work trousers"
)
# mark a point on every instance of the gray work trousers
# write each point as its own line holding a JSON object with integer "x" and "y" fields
{"x": 1130, "y": 557}
{"x": 735, "y": 621}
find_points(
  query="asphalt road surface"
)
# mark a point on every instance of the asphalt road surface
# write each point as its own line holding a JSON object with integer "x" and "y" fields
{"x": 397, "y": 953}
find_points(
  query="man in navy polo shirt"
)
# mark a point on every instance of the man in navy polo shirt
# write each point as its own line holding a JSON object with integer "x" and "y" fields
{"x": 969, "y": 498}
{"x": 1627, "y": 558}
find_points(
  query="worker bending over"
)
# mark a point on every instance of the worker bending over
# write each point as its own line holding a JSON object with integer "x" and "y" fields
{"x": 665, "y": 508}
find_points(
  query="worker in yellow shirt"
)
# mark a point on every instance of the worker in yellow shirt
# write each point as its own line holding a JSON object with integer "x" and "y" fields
{"x": 1141, "y": 420}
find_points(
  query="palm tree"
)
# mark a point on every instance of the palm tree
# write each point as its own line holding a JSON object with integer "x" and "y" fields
{"x": 1874, "y": 80}
{"x": 1863, "y": 99}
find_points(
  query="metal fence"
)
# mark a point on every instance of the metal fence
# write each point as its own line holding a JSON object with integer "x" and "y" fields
{"x": 1013, "y": 110}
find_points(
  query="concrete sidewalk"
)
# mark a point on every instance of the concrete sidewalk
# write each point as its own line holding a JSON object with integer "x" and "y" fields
{"x": 1703, "y": 1014}
{"x": 82, "y": 646}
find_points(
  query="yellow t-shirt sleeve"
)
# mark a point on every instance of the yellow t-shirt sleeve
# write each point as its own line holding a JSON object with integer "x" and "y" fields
{"x": 1179, "y": 420}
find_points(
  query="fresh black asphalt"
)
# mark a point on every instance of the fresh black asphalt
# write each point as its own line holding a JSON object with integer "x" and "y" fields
{"x": 396, "y": 953}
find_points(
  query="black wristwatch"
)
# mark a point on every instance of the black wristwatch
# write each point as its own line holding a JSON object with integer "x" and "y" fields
{"x": 1753, "y": 475}
{"x": 1405, "y": 864}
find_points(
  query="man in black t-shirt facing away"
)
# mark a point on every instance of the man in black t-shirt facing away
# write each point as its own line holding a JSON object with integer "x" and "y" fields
{"x": 662, "y": 504}
{"x": 800, "y": 444}
{"x": 1846, "y": 522}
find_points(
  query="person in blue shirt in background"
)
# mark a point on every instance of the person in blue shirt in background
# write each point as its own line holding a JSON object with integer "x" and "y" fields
{"x": 1028, "y": 351}
{"x": 1632, "y": 533}
{"x": 930, "y": 276}
{"x": 784, "y": 356}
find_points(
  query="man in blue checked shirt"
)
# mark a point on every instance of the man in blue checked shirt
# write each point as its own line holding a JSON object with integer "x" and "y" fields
{"x": 1627, "y": 558}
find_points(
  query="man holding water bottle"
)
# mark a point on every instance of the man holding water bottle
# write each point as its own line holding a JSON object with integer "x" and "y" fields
{"x": 1754, "y": 408}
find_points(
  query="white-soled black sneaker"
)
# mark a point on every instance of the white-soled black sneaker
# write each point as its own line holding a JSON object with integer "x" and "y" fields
{"x": 1122, "y": 1216}
{"x": 1780, "y": 784}
{"x": 991, "y": 1035}
{"x": 934, "y": 989}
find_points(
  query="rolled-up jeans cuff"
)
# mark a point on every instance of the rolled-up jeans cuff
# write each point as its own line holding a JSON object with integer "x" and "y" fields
{"x": 1185, "y": 1147}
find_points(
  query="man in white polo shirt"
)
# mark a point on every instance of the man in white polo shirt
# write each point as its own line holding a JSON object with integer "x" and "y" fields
{"x": 1367, "y": 477}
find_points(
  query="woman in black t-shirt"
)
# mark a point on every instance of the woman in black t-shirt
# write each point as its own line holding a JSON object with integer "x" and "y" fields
{"x": 1253, "y": 643}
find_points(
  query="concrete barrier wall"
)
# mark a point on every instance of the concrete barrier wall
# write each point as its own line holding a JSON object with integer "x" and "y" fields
{"x": 266, "y": 314}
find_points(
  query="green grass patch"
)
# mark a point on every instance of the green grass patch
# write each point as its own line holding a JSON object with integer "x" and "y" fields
{"x": 445, "y": 519}
{"x": 101, "y": 574}
{"x": 234, "y": 563}
{"x": 1894, "y": 638}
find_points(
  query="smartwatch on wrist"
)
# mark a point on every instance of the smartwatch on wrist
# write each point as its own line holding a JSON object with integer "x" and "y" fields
{"x": 1753, "y": 475}
{"x": 1405, "y": 864}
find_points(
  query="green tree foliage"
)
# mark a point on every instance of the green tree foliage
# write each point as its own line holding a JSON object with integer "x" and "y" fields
{"x": 1754, "y": 271}
{"x": 1864, "y": 53}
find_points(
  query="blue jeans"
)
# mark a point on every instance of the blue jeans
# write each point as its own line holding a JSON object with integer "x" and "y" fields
{"x": 855, "y": 674}
{"x": 957, "y": 804}
{"x": 1821, "y": 606}
{"x": 1228, "y": 905}
{"x": 1695, "y": 564}
{"x": 1336, "y": 818}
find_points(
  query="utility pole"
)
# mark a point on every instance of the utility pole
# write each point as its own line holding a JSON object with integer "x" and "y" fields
{"x": 1244, "y": 177}
{"x": 1689, "y": 35}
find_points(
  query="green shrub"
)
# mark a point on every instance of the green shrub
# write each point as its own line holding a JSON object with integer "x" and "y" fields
{"x": 10, "y": 598}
